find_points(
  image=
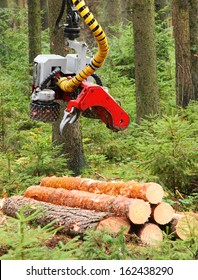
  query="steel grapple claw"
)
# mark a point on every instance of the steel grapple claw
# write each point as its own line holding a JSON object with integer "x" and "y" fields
{"x": 69, "y": 118}
{"x": 95, "y": 102}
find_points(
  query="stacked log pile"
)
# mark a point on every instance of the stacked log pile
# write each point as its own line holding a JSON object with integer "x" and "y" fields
{"x": 77, "y": 204}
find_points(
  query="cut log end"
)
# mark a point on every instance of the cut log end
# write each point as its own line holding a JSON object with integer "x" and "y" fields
{"x": 115, "y": 224}
{"x": 154, "y": 193}
{"x": 150, "y": 234}
{"x": 139, "y": 211}
{"x": 163, "y": 213}
{"x": 185, "y": 226}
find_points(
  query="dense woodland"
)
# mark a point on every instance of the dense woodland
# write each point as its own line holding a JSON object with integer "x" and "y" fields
{"x": 152, "y": 69}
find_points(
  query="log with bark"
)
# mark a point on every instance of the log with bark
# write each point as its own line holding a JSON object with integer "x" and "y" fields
{"x": 184, "y": 225}
{"x": 137, "y": 210}
{"x": 151, "y": 192}
{"x": 162, "y": 213}
{"x": 73, "y": 221}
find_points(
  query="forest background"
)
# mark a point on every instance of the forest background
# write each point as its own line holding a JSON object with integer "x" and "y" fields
{"x": 151, "y": 69}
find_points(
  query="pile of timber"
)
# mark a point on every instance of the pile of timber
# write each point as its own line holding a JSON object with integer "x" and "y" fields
{"x": 77, "y": 204}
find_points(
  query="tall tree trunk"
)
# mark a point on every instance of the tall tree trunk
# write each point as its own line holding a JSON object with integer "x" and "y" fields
{"x": 184, "y": 86}
{"x": 113, "y": 16}
{"x": 21, "y": 3}
{"x": 3, "y": 4}
{"x": 147, "y": 93}
{"x": 193, "y": 12}
{"x": 44, "y": 14}
{"x": 126, "y": 11}
{"x": 34, "y": 29}
{"x": 71, "y": 140}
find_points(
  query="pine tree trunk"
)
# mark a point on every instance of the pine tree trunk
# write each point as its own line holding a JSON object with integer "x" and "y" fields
{"x": 193, "y": 12}
{"x": 126, "y": 11}
{"x": 21, "y": 3}
{"x": 44, "y": 14}
{"x": 34, "y": 29}
{"x": 3, "y": 4}
{"x": 147, "y": 94}
{"x": 113, "y": 16}
{"x": 184, "y": 86}
{"x": 71, "y": 140}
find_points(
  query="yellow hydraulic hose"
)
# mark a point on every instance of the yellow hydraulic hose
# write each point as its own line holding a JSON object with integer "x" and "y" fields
{"x": 98, "y": 59}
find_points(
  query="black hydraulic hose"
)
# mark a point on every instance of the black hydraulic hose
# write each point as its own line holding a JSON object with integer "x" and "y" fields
{"x": 49, "y": 77}
{"x": 62, "y": 9}
{"x": 97, "y": 79}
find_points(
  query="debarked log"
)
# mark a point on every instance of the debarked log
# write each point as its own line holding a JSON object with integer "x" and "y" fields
{"x": 137, "y": 210}
{"x": 151, "y": 192}
{"x": 73, "y": 221}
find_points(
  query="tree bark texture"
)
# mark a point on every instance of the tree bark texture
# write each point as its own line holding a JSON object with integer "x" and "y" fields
{"x": 21, "y": 3}
{"x": 34, "y": 29}
{"x": 193, "y": 12}
{"x": 184, "y": 85}
{"x": 71, "y": 140}
{"x": 126, "y": 11}
{"x": 137, "y": 210}
{"x": 3, "y": 4}
{"x": 113, "y": 16}
{"x": 44, "y": 14}
{"x": 147, "y": 93}
{"x": 73, "y": 221}
{"x": 150, "y": 192}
